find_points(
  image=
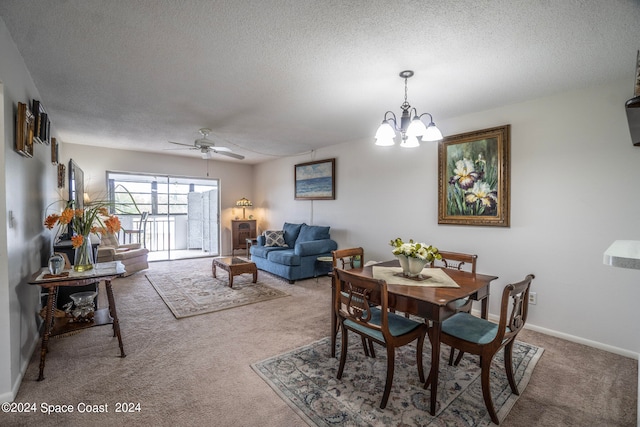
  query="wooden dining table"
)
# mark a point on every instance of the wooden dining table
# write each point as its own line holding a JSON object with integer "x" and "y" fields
{"x": 433, "y": 303}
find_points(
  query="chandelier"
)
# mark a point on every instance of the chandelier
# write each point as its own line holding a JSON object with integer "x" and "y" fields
{"x": 411, "y": 126}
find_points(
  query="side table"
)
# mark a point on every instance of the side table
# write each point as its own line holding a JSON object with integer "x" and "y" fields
{"x": 324, "y": 263}
{"x": 251, "y": 241}
{"x": 106, "y": 272}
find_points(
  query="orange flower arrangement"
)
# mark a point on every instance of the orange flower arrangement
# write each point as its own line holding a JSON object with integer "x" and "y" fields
{"x": 94, "y": 219}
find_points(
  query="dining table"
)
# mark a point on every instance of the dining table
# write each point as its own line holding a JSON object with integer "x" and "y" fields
{"x": 433, "y": 303}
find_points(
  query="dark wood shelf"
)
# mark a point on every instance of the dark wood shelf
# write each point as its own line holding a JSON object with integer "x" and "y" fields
{"x": 61, "y": 326}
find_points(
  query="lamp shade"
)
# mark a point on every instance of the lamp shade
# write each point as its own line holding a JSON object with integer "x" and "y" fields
{"x": 244, "y": 202}
{"x": 385, "y": 131}
{"x": 410, "y": 142}
{"x": 416, "y": 127}
{"x": 432, "y": 133}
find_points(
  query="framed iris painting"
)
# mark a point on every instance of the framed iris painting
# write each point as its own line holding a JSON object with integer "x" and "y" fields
{"x": 473, "y": 171}
{"x": 315, "y": 180}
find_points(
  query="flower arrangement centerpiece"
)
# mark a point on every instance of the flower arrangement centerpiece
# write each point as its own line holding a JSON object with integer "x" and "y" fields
{"x": 413, "y": 256}
{"x": 94, "y": 218}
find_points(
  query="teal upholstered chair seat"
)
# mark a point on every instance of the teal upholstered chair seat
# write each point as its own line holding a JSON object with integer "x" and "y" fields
{"x": 398, "y": 325}
{"x": 470, "y": 328}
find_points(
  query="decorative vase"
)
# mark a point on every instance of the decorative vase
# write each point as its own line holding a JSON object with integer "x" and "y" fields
{"x": 404, "y": 263}
{"x": 84, "y": 255}
{"x": 415, "y": 266}
{"x": 56, "y": 263}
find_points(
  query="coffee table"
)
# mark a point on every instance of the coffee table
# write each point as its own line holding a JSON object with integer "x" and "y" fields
{"x": 234, "y": 266}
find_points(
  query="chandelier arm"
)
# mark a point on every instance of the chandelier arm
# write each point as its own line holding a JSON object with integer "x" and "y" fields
{"x": 393, "y": 119}
{"x": 425, "y": 114}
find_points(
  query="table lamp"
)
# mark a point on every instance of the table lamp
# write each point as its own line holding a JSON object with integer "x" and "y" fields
{"x": 244, "y": 203}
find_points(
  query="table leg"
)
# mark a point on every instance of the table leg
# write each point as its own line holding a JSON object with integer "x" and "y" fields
{"x": 48, "y": 318}
{"x": 484, "y": 310}
{"x": 114, "y": 315}
{"x": 213, "y": 268}
{"x": 230, "y": 278}
{"x": 255, "y": 276}
{"x": 434, "y": 336}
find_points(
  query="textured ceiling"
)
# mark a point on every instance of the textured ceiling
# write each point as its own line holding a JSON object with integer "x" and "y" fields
{"x": 275, "y": 78}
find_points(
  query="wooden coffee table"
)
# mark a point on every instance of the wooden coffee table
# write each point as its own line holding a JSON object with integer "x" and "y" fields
{"x": 234, "y": 266}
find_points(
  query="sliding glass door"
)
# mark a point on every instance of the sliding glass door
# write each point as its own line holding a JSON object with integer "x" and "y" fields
{"x": 184, "y": 214}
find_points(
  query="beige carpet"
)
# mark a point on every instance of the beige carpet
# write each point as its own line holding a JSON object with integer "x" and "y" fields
{"x": 197, "y": 371}
{"x": 200, "y": 293}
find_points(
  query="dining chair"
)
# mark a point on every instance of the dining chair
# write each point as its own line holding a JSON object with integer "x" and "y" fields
{"x": 350, "y": 258}
{"x": 140, "y": 232}
{"x": 458, "y": 261}
{"x": 358, "y": 313}
{"x": 484, "y": 338}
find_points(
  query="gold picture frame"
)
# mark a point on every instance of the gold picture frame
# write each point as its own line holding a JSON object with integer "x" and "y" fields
{"x": 24, "y": 130}
{"x": 474, "y": 178}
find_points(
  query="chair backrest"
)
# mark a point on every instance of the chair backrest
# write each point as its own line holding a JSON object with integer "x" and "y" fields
{"x": 108, "y": 239}
{"x": 513, "y": 316}
{"x": 347, "y": 257}
{"x": 354, "y": 296}
{"x": 143, "y": 221}
{"x": 456, "y": 261}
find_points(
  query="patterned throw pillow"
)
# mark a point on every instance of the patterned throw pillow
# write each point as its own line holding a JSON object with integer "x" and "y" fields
{"x": 274, "y": 238}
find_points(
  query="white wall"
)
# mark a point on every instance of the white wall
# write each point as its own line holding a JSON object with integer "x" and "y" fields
{"x": 573, "y": 177}
{"x": 27, "y": 187}
{"x": 236, "y": 179}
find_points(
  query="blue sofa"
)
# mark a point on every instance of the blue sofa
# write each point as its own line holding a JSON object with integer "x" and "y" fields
{"x": 297, "y": 256}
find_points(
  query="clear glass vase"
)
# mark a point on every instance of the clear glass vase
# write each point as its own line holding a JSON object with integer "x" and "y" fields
{"x": 84, "y": 255}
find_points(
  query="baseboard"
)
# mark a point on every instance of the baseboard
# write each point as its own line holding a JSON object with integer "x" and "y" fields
{"x": 10, "y": 396}
{"x": 573, "y": 338}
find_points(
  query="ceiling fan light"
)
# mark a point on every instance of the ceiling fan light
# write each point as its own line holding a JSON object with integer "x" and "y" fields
{"x": 385, "y": 131}
{"x": 410, "y": 142}
{"x": 416, "y": 127}
{"x": 432, "y": 133}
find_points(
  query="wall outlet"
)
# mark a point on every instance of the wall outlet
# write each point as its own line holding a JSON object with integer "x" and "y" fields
{"x": 533, "y": 298}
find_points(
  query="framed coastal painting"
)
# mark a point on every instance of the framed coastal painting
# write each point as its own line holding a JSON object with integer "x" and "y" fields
{"x": 315, "y": 180}
{"x": 474, "y": 178}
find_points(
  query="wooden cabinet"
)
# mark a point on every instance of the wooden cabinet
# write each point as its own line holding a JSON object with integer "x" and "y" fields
{"x": 241, "y": 230}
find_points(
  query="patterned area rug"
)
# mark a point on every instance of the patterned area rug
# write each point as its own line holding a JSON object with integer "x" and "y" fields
{"x": 306, "y": 379}
{"x": 200, "y": 293}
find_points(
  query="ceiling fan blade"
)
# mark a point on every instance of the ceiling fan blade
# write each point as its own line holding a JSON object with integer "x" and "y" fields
{"x": 180, "y": 143}
{"x": 228, "y": 153}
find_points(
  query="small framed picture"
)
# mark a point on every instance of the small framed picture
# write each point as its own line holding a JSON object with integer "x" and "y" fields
{"x": 41, "y": 124}
{"x": 61, "y": 174}
{"x": 315, "y": 180}
{"x": 54, "y": 151}
{"x": 24, "y": 130}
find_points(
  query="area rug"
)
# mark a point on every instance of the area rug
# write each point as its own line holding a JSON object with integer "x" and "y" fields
{"x": 305, "y": 378}
{"x": 199, "y": 293}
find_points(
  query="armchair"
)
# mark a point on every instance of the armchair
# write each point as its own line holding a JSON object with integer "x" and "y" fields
{"x": 133, "y": 256}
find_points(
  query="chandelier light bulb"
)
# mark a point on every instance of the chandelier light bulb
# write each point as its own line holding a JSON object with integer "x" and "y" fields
{"x": 410, "y": 142}
{"x": 432, "y": 133}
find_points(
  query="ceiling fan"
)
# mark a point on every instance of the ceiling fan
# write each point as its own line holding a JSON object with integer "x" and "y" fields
{"x": 206, "y": 146}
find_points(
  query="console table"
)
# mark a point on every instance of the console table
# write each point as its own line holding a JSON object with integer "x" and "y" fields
{"x": 106, "y": 272}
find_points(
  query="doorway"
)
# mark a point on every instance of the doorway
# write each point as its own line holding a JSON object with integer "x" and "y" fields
{"x": 183, "y": 213}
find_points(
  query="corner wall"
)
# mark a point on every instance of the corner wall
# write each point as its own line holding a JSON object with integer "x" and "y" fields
{"x": 28, "y": 185}
{"x": 574, "y": 174}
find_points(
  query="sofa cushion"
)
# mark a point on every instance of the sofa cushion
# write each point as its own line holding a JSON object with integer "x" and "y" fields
{"x": 312, "y": 232}
{"x": 291, "y": 232}
{"x": 285, "y": 257}
{"x": 263, "y": 251}
{"x": 315, "y": 247}
{"x": 274, "y": 238}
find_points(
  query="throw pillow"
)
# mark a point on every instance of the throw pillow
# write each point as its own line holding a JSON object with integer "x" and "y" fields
{"x": 274, "y": 238}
